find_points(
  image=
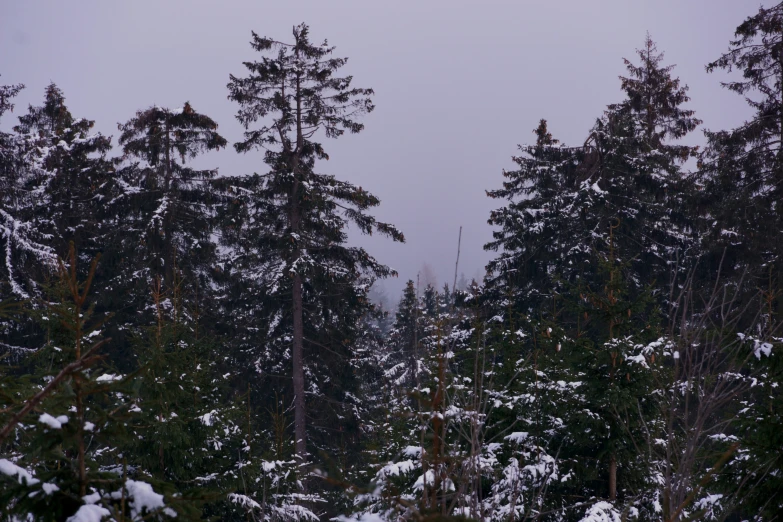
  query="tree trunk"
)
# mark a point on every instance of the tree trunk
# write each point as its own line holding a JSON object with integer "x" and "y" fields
{"x": 612, "y": 478}
{"x": 168, "y": 244}
{"x": 300, "y": 422}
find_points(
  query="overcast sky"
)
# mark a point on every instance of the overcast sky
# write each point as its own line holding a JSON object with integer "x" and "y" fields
{"x": 458, "y": 85}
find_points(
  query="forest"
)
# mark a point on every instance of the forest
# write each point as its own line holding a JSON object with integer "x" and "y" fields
{"x": 178, "y": 343}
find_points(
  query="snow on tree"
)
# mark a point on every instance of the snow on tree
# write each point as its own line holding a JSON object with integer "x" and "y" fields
{"x": 295, "y": 232}
{"x": 24, "y": 246}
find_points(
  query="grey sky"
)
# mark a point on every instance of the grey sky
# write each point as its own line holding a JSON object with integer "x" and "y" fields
{"x": 459, "y": 84}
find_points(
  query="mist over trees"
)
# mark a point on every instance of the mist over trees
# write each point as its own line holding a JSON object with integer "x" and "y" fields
{"x": 176, "y": 344}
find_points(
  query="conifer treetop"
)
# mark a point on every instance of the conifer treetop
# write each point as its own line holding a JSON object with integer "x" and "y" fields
{"x": 757, "y": 51}
{"x": 183, "y": 130}
{"x": 7, "y": 93}
{"x": 300, "y": 76}
{"x": 656, "y": 98}
{"x": 53, "y": 117}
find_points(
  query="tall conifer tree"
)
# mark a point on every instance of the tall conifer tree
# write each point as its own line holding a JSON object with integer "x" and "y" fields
{"x": 538, "y": 227}
{"x": 627, "y": 174}
{"x": 742, "y": 168}
{"x": 288, "y": 100}
{"x": 171, "y": 202}
{"x": 638, "y": 175}
{"x": 76, "y": 175}
{"x": 591, "y": 239}
{"x": 23, "y": 245}
{"x": 161, "y": 214}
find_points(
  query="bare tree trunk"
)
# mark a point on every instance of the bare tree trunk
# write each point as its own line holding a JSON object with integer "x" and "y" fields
{"x": 300, "y": 422}
{"x": 456, "y": 268}
{"x": 438, "y": 426}
{"x": 612, "y": 478}
{"x": 168, "y": 243}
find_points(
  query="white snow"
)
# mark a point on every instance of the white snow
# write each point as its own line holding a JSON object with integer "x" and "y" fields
{"x": 244, "y": 501}
{"x": 363, "y": 517}
{"x": 208, "y": 419}
{"x": 602, "y": 512}
{"x": 428, "y": 477}
{"x": 517, "y": 436}
{"x": 108, "y": 377}
{"x": 49, "y": 488}
{"x": 412, "y": 451}
{"x": 762, "y": 348}
{"x": 637, "y": 359}
{"x": 9, "y": 468}
{"x": 396, "y": 468}
{"x": 89, "y": 513}
{"x": 55, "y": 423}
{"x": 708, "y": 503}
{"x": 143, "y": 497}
{"x": 597, "y": 189}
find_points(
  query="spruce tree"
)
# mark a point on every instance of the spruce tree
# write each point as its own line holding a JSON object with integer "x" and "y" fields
{"x": 186, "y": 431}
{"x": 742, "y": 168}
{"x": 62, "y": 182}
{"x": 161, "y": 215}
{"x": 742, "y": 219}
{"x": 538, "y": 228}
{"x": 62, "y": 443}
{"x": 593, "y": 239}
{"x": 26, "y": 253}
{"x": 76, "y": 175}
{"x": 24, "y": 246}
{"x": 638, "y": 175}
{"x": 170, "y": 204}
{"x": 7, "y": 94}
{"x": 404, "y": 340}
{"x": 628, "y": 175}
{"x": 298, "y": 218}
{"x": 614, "y": 349}
{"x": 655, "y": 99}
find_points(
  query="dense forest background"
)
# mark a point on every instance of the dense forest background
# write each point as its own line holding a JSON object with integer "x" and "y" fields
{"x": 178, "y": 343}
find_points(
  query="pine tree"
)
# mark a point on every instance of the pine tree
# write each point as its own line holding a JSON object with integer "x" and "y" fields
{"x": 654, "y": 97}
{"x": 7, "y": 94}
{"x": 299, "y": 216}
{"x": 404, "y": 340}
{"x": 186, "y": 431}
{"x": 61, "y": 178}
{"x": 457, "y": 450}
{"x": 430, "y": 300}
{"x": 615, "y": 346}
{"x": 593, "y": 238}
{"x": 170, "y": 204}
